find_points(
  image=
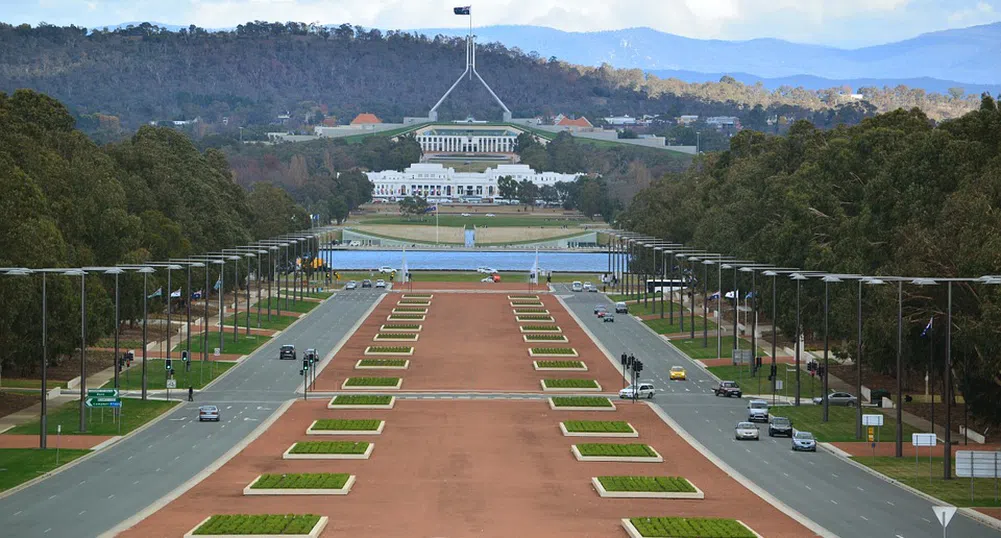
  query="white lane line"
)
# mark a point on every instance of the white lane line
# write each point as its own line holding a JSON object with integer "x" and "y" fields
{"x": 47, "y": 530}
{"x": 136, "y": 482}
{"x": 765, "y": 462}
{"x": 18, "y": 513}
{"x": 926, "y": 520}
{"x": 833, "y": 501}
{"x": 157, "y": 470}
{"x": 865, "y": 518}
{"x": 112, "y": 496}
{"x": 52, "y": 497}
{"x": 890, "y": 503}
{"x": 108, "y": 469}
{"x": 858, "y": 488}
{"x": 82, "y": 482}
{"x": 785, "y": 475}
{"x": 130, "y": 457}
{"x": 834, "y": 475}
{"x": 82, "y": 512}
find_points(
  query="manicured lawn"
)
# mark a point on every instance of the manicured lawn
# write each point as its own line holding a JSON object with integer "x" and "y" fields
{"x": 383, "y": 362}
{"x": 406, "y": 316}
{"x": 361, "y": 399}
{"x": 547, "y": 328}
{"x": 530, "y": 310}
{"x": 390, "y": 349}
{"x": 330, "y": 447}
{"x": 694, "y": 349}
{"x": 690, "y": 527}
{"x": 672, "y": 484}
{"x": 554, "y": 350}
{"x": 315, "y": 295}
{"x": 297, "y": 306}
{"x": 346, "y": 424}
{"x": 955, "y": 491}
{"x": 302, "y": 481}
{"x": 581, "y": 401}
{"x": 759, "y": 384}
{"x": 840, "y": 427}
{"x": 664, "y": 326}
{"x": 546, "y": 337}
{"x": 12, "y": 383}
{"x": 258, "y": 524}
{"x": 245, "y": 345}
{"x": 409, "y": 309}
{"x": 535, "y": 317}
{"x": 630, "y": 450}
{"x": 276, "y": 323}
{"x": 653, "y": 307}
{"x": 560, "y": 364}
{"x": 396, "y": 336}
{"x": 598, "y": 426}
{"x": 199, "y": 376}
{"x": 134, "y": 413}
{"x": 18, "y": 465}
{"x": 372, "y": 381}
{"x": 402, "y": 326}
{"x": 571, "y": 383}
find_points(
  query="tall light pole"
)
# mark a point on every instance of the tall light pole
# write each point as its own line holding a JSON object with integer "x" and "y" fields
{"x": 83, "y": 345}
{"x": 827, "y": 300}
{"x": 145, "y": 271}
{"x": 798, "y": 278}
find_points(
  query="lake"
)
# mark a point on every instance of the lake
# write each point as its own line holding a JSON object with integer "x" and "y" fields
{"x": 576, "y": 262}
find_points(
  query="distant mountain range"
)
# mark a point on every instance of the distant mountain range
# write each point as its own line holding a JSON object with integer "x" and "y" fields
{"x": 966, "y": 58}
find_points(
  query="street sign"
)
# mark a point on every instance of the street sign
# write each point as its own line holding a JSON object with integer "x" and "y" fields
{"x": 923, "y": 439}
{"x": 171, "y": 383}
{"x": 978, "y": 464}
{"x": 741, "y": 356}
{"x": 944, "y": 514}
{"x": 872, "y": 420}
{"x": 778, "y": 384}
{"x": 216, "y": 352}
{"x": 102, "y": 393}
{"x": 872, "y": 434}
{"x": 103, "y": 402}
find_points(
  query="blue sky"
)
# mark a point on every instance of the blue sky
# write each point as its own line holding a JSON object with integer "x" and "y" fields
{"x": 842, "y": 23}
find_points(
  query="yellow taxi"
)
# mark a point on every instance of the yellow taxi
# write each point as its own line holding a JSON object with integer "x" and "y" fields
{"x": 677, "y": 372}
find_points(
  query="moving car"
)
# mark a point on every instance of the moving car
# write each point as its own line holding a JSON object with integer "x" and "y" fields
{"x": 386, "y": 269}
{"x": 380, "y": 283}
{"x": 621, "y": 308}
{"x": 491, "y": 215}
{"x": 599, "y": 308}
{"x": 587, "y": 286}
{"x": 838, "y": 398}
{"x": 608, "y": 318}
{"x": 577, "y": 286}
{"x": 728, "y": 389}
{"x": 287, "y": 352}
{"x": 208, "y": 412}
{"x": 804, "y": 441}
{"x": 352, "y": 284}
{"x": 757, "y": 411}
{"x": 780, "y": 426}
{"x": 677, "y": 372}
{"x": 745, "y": 430}
{"x": 642, "y": 390}
{"x": 465, "y": 214}
{"x": 366, "y": 283}
{"x": 592, "y": 289}
{"x": 486, "y": 270}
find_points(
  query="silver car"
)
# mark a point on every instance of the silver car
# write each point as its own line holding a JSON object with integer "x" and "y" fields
{"x": 746, "y": 430}
{"x": 380, "y": 283}
{"x": 838, "y": 398}
{"x": 804, "y": 441}
{"x": 208, "y": 412}
{"x": 352, "y": 284}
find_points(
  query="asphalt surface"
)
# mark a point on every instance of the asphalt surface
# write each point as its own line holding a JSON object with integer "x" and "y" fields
{"x": 112, "y": 486}
{"x": 845, "y": 500}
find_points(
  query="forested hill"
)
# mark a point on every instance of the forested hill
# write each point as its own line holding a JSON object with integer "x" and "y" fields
{"x": 143, "y": 73}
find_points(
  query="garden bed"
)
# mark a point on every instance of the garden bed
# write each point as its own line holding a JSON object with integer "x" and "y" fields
{"x": 540, "y": 329}
{"x": 597, "y": 428}
{"x": 412, "y": 302}
{"x": 552, "y": 352}
{"x": 570, "y": 385}
{"x": 329, "y": 450}
{"x": 401, "y": 327}
{"x": 366, "y": 383}
{"x": 552, "y": 338}
{"x": 396, "y": 337}
{"x": 418, "y": 295}
{"x": 581, "y": 403}
{"x": 560, "y": 366}
{"x": 646, "y": 487}
{"x": 526, "y": 304}
{"x": 522, "y": 297}
{"x": 686, "y": 527}
{"x": 405, "y": 317}
{"x": 382, "y": 364}
{"x": 534, "y": 318}
{"x": 525, "y": 311}
{"x": 335, "y": 426}
{"x": 260, "y": 525}
{"x": 409, "y": 310}
{"x": 636, "y": 453}
{"x": 389, "y": 350}
{"x": 361, "y": 401}
{"x": 301, "y": 484}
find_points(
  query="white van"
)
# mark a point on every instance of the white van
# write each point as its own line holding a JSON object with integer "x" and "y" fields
{"x": 577, "y": 286}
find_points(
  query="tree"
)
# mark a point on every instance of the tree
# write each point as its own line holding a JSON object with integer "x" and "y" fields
{"x": 527, "y": 192}
{"x": 507, "y": 188}
{"x": 413, "y": 206}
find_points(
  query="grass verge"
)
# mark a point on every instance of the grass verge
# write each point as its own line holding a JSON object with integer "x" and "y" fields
{"x": 302, "y": 481}
{"x": 840, "y": 427}
{"x": 201, "y": 374}
{"x": 244, "y": 345}
{"x": 570, "y": 383}
{"x": 759, "y": 384}
{"x": 276, "y": 323}
{"x": 372, "y": 381}
{"x": 928, "y": 478}
{"x": 598, "y": 426}
{"x": 19, "y": 465}
{"x": 630, "y": 450}
{"x": 581, "y": 401}
{"x": 360, "y": 399}
{"x": 134, "y": 413}
{"x": 346, "y": 424}
{"x": 690, "y": 527}
{"x": 330, "y": 447}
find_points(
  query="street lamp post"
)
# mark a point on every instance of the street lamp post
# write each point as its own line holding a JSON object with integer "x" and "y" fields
{"x": 827, "y": 299}
{"x": 145, "y": 273}
{"x": 798, "y": 278}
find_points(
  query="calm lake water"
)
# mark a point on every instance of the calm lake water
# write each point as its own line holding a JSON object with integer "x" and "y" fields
{"x": 583, "y": 262}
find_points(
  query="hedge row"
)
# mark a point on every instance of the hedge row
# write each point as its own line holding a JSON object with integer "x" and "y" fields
{"x": 519, "y": 310}
{"x": 660, "y": 484}
{"x": 536, "y": 297}
{"x": 409, "y": 309}
{"x": 383, "y": 362}
{"x": 372, "y": 381}
{"x": 535, "y": 317}
{"x": 632, "y": 450}
{"x": 693, "y": 527}
{"x": 258, "y": 524}
{"x": 597, "y": 426}
{"x": 545, "y": 337}
{"x": 581, "y": 401}
{"x": 302, "y": 481}
{"x": 416, "y": 295}
{"x": 330, "y": 447}
{"x": 346, "y": 424}
{"x": 396, "y": 336}
{"x": 390, "y": 349}
{"x": 560, "y": 364}
{"x": 554, "y": 328}
{"x": 553, "y": 350}
{"x": 406, "y": 316}
{"x": 361, "y": 399}
{"x": 402, "y": 326}
{"x": 571, "y": 383}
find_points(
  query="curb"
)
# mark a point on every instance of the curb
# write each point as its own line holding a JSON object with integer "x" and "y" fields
{"x": 670, "y": 344}
{"x": 195, "y": 480}
{"x": 979, "y": 517}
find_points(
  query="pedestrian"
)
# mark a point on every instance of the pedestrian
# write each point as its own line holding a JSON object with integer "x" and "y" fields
{"x": 191, "y": 393}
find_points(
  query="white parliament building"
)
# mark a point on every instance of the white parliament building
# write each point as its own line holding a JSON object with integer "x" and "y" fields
{"x": 437, "y": 183}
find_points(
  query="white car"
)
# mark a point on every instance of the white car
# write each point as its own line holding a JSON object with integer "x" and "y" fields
{"x": 380, "y": 283}
{"x": 486, "y": 270}
{"x": 589, "y": 287}
{"x": 757, "y": 411}
{"x": 745, "y": 430}
{"x": 387, "y": 269}
{"x": 577, "y": 286}
{"x": 354, "y": 244}
{"x": 352, "y": 284}
{"x": 645, "y": 390}
{"x": 487, "y": 279}
{"x": 491, "y": 215}
{"x": 465, "y": 214}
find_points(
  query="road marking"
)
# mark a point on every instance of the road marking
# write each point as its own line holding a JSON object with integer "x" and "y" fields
{"x": 926, "y": 520}
{"x": 108, "y": 469}
{"x": 176, "y": 458}
{"x": 865, "y": 518}
{"x": 785, "y": 475}
{"x": 112, "y": 496}
{"x": 17, "y": 513}
{"x": 82, "y": 512}
{"x": 157, "y": 470}
{"x": 47, "y": 530}
{"x": 858, "y": 488}
{"x": 82, "y": 482}
{"x": 52, "y": 497}
{"x": 834, "y": 475}
{"x": 808, "y": 487}
{"x": 890, "y": 503}
{"x": 833, "y": 501}
{"x": 136, "y": 482}
{"x": 130, "y": 457}
{"x": 149, "y": 447}
{"x": 765, "y": 462}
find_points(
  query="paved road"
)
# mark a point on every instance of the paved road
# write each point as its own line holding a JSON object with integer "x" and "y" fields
{"x": 114, "y": 485}
{"x": 846, "y": 501}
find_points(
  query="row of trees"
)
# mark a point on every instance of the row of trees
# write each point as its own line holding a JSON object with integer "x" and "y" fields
{"x": 69, "y": 203}
{"x": 894, "y": 195}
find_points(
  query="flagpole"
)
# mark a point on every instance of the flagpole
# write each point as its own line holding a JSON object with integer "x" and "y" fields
{"x": 436, "y": 224}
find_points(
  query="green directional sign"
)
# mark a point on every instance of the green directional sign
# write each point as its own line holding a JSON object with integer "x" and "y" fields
{"x": 102, "y": 393}
{"x": 103, "y": 402}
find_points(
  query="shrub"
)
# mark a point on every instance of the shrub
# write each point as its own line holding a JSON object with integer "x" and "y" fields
{"x": 527, "y": 303}
{"x": 526, "y": 310}
{"x": 400, "y": 336}
{"x": 402, "y": 326}
{"x": 514, "y": 297}
{"x": 535, "y": 317}
{"x": 390, "y": 349}
{"x": 579, "y": 401}
{"x": 383, "y": 362}
{"x": 553, "y": 328}
{"x": 361, "y": 399}
{"x": 258, "y": 524}
{"x": 693, "y": 527}
{"x": 423, "y": 302}
{"x": 346, "y": 425}
{"x": 632, "y": 450}
{"x": 416, "y": 295}
{"x": 545, "y": 337}
{"x": 560, "y": 364}
{"x": 660, "y": 484}
{"x": 406, "y": 316}
{"x": 302, "y": 481}
{"x": 598, "y": 426}
{"x": 554, "y": 351}
{"x": 330, "y": 447}
{"x": 571, "y": 383}
{"x": 372, "y": 381}
{"x": 409, "y": 309}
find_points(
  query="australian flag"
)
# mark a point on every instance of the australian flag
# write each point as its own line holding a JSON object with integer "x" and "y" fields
{"x": 431, "y": 209}
{"x": 927, "y": 327}
{"x": 461, "y": 10}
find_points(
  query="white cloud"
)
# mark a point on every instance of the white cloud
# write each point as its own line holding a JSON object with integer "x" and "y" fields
{"x": 981, "y": 13}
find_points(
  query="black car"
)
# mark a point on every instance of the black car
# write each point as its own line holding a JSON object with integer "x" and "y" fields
{"x": 728, "y": 389}
{"x": 780, "y": 426}
{"x": 287, "y": 352}
{"x": 366, "y": 283}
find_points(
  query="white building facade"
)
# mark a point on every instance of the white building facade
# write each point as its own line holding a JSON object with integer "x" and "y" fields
{"x": 462, "y": 138}
{"x": 434, "y": 181}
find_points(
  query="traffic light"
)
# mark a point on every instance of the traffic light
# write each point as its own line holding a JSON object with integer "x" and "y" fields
{"x": 168, "y": 365}
{"x": 184, "y": 356}
{"x": 624, "y": 358}
{"x": 772, "y": 373}
{"x": 638, "y": 366}
{"x": 305, "y": 363}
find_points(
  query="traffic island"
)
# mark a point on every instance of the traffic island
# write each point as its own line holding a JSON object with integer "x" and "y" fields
{"x": 260, "y": 525}
{"x": 645, "y": 487}
{"x": 361, "y": 401}
{"x": 336, "y": 426}
{"x": 570, "y": 385}
{"x": 389, "y": 350}
{"x": 540, "y": 329}
{"x": 559, "y": 366}
{"x": 598, "y": 428}
{"x": 631, "y": 453}
{"x": 369, "y": 383}
{"x": 685, "y": 527}
{"x": 545, "y": 338}
{"x": 552, "y": 352}
{"x": 329, "y": 450}
{"x": 581, "y": 403}
{"x": 382, "y": 364}
{"x": 523, "y": 297}
{"x": 301, "y": 484}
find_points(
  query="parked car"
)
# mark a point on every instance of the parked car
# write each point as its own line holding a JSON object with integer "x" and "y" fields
{"x": 366, "y": 283}
{"x": 465, "y": 214}
{"x": 287, "y": 352}
{"x": 804, "y": 441}
{"x": 352, "y": 284}
{"x": 354, "y": 244}
{"x": 757, "y": 411}
{"x": 621, "y": 308}
{"x": 491, "y": 215}
{"x": 385, "y": 269}
{"x": 641, "y": 390}
{"x": 838, "y": 398}
{"x": 746, "y": 430}
{"x": 577, "y": 285}
{"x": 728, "y": 389}
{"x": 587, "y": 286}
{"x": 677, "y": 372}
{"x": 380, "y": 283}
{"x": 486, "y": 270}
{"x": 592, "y": 289}
{"x": 780, "y": 426}
{"x": 608, "y": 318}
{"x": 208, "y": 412}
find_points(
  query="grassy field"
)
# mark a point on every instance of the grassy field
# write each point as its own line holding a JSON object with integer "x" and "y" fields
{"x": 664, "y": 326}
{"x": 277, "y": 322}
{"x": 297, "y": 306}
{"x": 19, "y": 465}
{"x": 760, "y": 384}
{"x": 480, "y": 219}
{"x": 955, "y": 491}
{"x": 244, "y": 346}
{"x": 652, "y": 307}
{"x": 694, "y": 349}
{"x": 12, "y": 383}
{"x": 156, "y": 379}
{"x": 840, "y": 427}
{"x": 135, "y": 413}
